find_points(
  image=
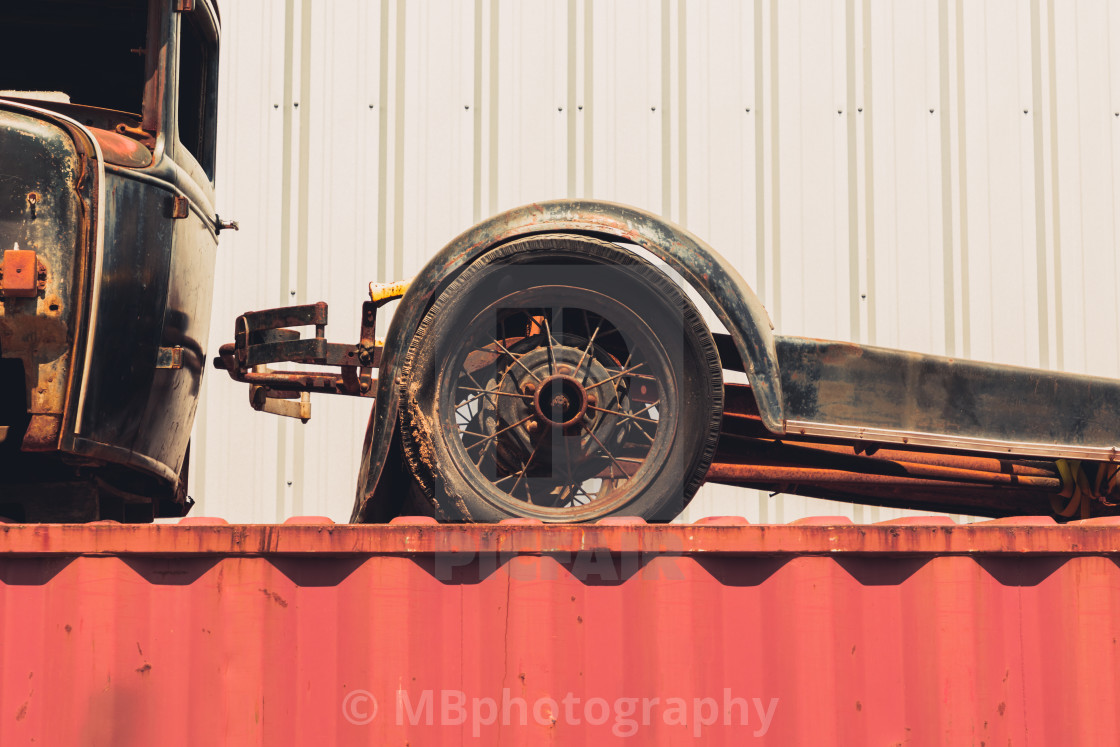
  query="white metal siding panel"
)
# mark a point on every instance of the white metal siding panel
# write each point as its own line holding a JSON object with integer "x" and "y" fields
{"x": 813, "y": 289}
{"x": 338, "y": 246}
{"x": 902, "y": 119}
{"x": 234, "y": 451}
{"x": 626, "y": 106}
{"x": 936, "y": 176}
{"x": 530, "y": 160}
{"x": 1088, "y": 129}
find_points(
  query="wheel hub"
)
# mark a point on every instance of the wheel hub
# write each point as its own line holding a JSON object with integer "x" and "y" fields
{"x": 562, "y": 401}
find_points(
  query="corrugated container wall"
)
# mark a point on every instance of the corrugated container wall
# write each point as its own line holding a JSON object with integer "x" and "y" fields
{"x": 938, "y": 176}
{"x": 914, "y": 633}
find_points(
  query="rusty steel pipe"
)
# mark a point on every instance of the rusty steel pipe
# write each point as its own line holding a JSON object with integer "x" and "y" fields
{"x": 891, "y": 456}
{"x": 952, "y": 461}
{"x": 769, "y": 473}
{"x": 789, "y": 455}
{"x": 977, "y": 500}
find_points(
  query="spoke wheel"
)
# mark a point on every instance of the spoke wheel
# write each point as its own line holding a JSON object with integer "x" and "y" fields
{"x": 560, "y": 378}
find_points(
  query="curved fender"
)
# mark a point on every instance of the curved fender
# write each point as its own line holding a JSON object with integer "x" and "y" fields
{"x": 718, "y": 283}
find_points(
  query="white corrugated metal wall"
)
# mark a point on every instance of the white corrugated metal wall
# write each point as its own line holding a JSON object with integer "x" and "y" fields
{"x": 936, "y": 175}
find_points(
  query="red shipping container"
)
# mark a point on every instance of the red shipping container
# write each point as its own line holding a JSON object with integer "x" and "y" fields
{"x": 819, "y": 632}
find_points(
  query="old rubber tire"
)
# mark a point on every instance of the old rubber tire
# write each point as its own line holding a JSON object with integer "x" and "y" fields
{"x": 561, "y": 378}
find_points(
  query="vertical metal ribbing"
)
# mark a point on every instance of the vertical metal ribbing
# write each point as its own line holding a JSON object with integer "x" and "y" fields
{"x": 572, "y": 156}
{"x": 476, "y": 134}
{"x": 759, "y": 158}
{"x": 1055, "y": 207}
{"x": 382, "y": 140}
{"x": 302, "y": 217}
{"x": 851, "y": 125}
{"x": 286, "y": 186}
{"x": 682, "y": 112}
{"x": 492, "y": 107}
{"x": 666, "y": 113}
{"x": 398, "y": 141}
{"x": 1039, "y": 187}
{"x": 869, "y": 178}
{"x": 775, "y": 170}
{"x": 588, "y": 99}
{"x": 962, "y": 194}
{"x": 945, "y": 123}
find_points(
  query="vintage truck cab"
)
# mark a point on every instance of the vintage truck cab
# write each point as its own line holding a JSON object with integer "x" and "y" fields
{"x": 108, "y": 235}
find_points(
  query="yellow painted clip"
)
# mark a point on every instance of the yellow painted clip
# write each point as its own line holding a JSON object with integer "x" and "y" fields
{"x": 381, "y": 293}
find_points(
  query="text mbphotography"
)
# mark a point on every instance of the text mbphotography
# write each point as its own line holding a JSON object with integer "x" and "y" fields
{"x": 622, "y": 716}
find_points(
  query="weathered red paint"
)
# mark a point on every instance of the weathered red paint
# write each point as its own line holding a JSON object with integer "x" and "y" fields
{"x": 915, "y": 631}
{"x": 121, "y": 150}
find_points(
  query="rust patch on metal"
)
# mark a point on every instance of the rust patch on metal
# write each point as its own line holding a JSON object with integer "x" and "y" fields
{"x": 52, "y": 306}
{"x": 417, "y": 428}
{"x": 274, "y": 597}
{"x": 420, "y": 429}
{"x": 840, "y": 352}
{"x": 38, "y": 339}
{"x": 42, "y": 432}
{"x": 121, "y": 150}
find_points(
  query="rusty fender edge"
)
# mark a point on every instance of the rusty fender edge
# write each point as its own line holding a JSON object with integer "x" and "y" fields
{"x": 716, "y": 280}
{"x": 415, "y": 536}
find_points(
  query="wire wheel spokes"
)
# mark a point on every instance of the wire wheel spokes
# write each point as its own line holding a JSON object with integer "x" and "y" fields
{"x": 559, "y": 377}
{"x": 559, "y": 406}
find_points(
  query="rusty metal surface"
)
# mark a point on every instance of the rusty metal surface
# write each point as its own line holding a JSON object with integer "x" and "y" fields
{"x": 419, "y": 535}
{"x": 919, "y": 632}
{"x": 714, "y": 278}
{"x": 48, "y": 198}
{"x": 103, "y": 410}
{"x": 264, "y": 337}
{"x": 906, "y": 476}
{"x": 22, "y": 275}
{"x": 915, "y": 475}
{"x": 855, "y": 391}
{"x": 380, "y": 293}
{"x": 120, "y": 150}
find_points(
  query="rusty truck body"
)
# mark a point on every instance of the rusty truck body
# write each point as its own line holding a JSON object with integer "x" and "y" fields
{"x": 107, "y": 243}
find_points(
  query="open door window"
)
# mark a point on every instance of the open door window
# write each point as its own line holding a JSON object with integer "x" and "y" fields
{"x": 198, "y": 85}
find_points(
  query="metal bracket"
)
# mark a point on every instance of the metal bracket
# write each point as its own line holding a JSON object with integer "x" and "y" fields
{"x": 383, "y": 293}
{"x": 22, "y": 275}
{"x": 263, "y": 400}
{"x": 263, "y": 337}
{"x": 180, "y": 208}
{"x": 225, "y": 225}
